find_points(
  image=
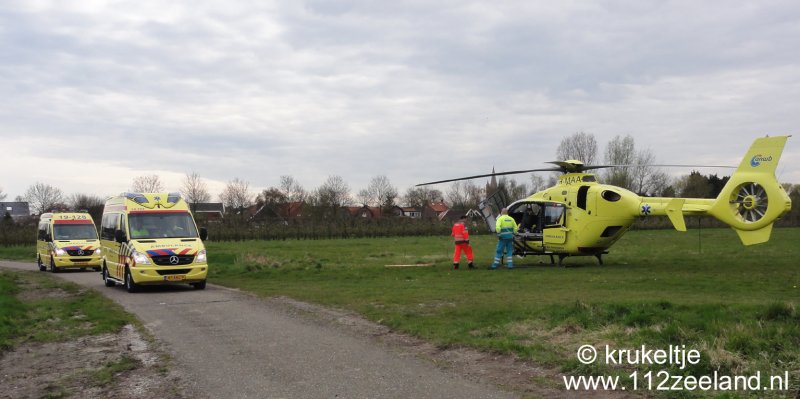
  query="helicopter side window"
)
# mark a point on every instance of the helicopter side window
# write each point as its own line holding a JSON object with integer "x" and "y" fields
{"x": 583, "y": 191}
{"x": 610, "y": 196}
{"x": 554, "y": 215}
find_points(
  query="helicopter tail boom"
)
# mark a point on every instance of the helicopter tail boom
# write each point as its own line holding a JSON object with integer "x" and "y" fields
{"x": 753, "y": 198}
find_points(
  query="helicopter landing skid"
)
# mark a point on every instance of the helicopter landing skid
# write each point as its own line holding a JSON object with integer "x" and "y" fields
{"x": 521, "y": 248}
{"x": 562, "y": 256}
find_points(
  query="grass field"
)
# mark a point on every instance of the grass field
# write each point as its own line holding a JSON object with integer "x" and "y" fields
{"x": 736, "y": 305}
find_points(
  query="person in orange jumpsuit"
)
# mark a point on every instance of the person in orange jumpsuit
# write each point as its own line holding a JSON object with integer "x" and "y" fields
{"x": 461, "y": 236}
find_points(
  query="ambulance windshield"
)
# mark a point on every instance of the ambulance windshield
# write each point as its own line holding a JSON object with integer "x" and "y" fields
{"x": 161, "y": 225}
{"x": 74, "y": 232}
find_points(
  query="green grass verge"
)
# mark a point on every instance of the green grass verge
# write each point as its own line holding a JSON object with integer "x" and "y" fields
{"x": 18, "y": 252}
{"x": 53, "y": 310}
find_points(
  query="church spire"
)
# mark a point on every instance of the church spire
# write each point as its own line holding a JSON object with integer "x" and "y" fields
{"x": 491, "y": 186}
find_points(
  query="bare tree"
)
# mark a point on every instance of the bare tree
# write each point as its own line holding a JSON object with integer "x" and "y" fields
{"x": 89, "y": 203}
{"x": 147, "y": 184}
{"x": 620, "y": 151}
{"x": 195, "y": 190}
{"x": 363, "y": 197}
{"x": 420, "y": 196}
{"x": 659, "y": 184}
{"x": 642, "y": 171}
{"x": 84, "y": 201}
{"x": 538, "y": 183}
{"x": 236, "y": 195}
{"x": 647, "y": 179}
{"x": 580, "y": 146}
{"x": 43, "y": 197}
{"x": 273, "y": 199}
{"x": 292, "y": 189}
{"x": 2, "y": 194}
{"x": 379, "y": 192}
{"x": 636, "y": 172}
{"x": 334, "y": 193}
{"x": 465, "y": 195}
{"x": 514, "y": 189}
{"x": 457, "y": 195}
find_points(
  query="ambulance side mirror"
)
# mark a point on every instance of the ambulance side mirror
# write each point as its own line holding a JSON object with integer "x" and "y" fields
{"x": 203, "y": 233}
{"x": 119, "y": 236}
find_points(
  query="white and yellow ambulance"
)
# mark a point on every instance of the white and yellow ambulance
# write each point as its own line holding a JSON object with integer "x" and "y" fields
{"x": 149, "y": 239}
{"x": 67, "y": 240}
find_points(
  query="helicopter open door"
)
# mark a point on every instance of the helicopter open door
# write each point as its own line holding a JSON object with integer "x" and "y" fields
{"x": 555, "y": 231}
{"x": 534, "y": 218}
{"x": 488, "y": 215}
{"x": 542, "y": 227}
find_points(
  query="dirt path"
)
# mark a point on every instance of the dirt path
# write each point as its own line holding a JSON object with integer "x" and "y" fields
{"x": 232, "y": 344}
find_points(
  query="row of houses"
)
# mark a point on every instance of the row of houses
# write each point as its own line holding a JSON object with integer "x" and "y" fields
{"x": 15, "y": 210}
{"x": 432, "y": 210}
{"x": 294, "y": 210}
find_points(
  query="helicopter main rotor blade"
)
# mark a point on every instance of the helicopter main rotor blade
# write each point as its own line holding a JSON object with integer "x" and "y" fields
{"x": 692, "y": 166}
{"x": 513, "y": 172}
{"x": 569, "y": 168}
{"x": 587, "y": 167}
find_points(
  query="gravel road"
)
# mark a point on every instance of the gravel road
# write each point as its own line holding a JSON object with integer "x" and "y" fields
{"x": 233, "y": 345}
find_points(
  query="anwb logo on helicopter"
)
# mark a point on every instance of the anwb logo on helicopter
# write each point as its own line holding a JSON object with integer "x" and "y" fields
{"x": 756, "y": 160}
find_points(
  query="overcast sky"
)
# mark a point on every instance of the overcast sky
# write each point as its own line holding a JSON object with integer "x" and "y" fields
{"x": 95, "y": 93}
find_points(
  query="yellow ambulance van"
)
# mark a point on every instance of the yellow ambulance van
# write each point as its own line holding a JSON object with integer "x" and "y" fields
{"x": 67, "y": 240}
{"x": 151, "y": 239}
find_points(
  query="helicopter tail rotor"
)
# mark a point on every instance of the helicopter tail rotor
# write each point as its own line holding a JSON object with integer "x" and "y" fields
{"x": 750, "y": 201}
{"x": 753, "y": 198}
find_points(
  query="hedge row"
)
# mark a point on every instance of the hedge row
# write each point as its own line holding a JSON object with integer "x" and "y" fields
{"x": 25, "y": 234}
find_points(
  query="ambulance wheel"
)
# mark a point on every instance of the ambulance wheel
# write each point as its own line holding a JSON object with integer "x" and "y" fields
{"x": 42, "y": 267}
{"x": 109, "y": 282}
{"x": 130, "y": 285}
{"x": 53, "y": 268}
{"x": 199, "y": 286}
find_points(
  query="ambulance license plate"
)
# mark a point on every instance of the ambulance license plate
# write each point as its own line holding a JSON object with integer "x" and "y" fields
{"x": 176, "y": 277}
{"x": 80, "y": 264}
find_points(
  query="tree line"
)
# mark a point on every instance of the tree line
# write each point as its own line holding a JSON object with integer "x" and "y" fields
{"x": 321, "y": 206}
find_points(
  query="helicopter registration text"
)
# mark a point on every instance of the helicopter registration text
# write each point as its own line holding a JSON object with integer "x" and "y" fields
{"x": 574, "y": 178}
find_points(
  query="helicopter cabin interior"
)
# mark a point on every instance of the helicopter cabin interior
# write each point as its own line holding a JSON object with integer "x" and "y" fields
{"x": 533, "y": 217}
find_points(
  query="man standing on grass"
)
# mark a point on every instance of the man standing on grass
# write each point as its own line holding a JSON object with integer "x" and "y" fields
{"x": 505, "y": 227}
{"x": 461, "y": 236}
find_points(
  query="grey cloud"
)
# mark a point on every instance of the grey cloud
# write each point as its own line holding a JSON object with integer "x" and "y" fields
{"x": 256, "y": 90}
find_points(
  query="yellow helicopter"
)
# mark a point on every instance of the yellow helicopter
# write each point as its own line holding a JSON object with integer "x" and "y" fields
{"x": 581, "y": 217}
